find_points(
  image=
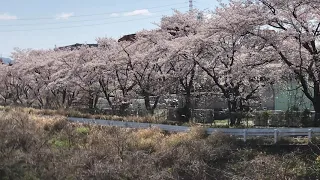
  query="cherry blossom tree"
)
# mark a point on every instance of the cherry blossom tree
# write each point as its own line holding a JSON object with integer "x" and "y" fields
{"x": 180, "y": 30}
{"x": 104, "y": 63}
{"x": 85, "y": 74}
{"x": 232, "y": 59}
{"x": 240, "y": 84}
{"x": 33, "y": 69}
{"x": 7, "y": 91}
{"x": 240, "y": 50}
{"x": 116, "y": 75}
{"x": 62, "y": 85}
{"x": 147, "y": 57}
{"x": 291, "y": 28}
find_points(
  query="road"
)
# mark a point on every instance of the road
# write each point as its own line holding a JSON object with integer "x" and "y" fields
{"x": 165, "y": 127}
{"x": 257, "y": 132}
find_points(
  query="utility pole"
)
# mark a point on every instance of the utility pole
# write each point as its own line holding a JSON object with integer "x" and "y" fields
{"x": 190, "y": 5}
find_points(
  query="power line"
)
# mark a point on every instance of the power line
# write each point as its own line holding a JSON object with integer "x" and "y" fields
{"x": 98, "y": 14}
{"x": 67, "y": 27}
{"x": 33, "y": 24}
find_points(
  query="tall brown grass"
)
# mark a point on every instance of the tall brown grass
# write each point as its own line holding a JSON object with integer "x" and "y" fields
{"x": 76, "y": 113}
{"x": 39, "y": 147}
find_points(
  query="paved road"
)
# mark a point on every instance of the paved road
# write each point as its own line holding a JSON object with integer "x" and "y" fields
{"x": 276, "y": 132}
{"x": 169, "y": 128}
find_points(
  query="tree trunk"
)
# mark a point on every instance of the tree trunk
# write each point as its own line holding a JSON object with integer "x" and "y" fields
{"x": 90, "y": 100}
{"x": 122, "y": 109}
{"x": 232, "y": 118}
{"x": 107, "y": 95}
{"x": 188, "y": 105}
{"x": 185, "y": 112}
{"x": 232, "y": 113}
{"x": 239, "y": 114}
{"x": 70, "y": 99}
{"x": 47, "y": 102}
{"x": 96, "y": 99}
{"x": 108, "y": 98}
{"x": 147, "y": 103}
{"x": 155, "y": 103}
{"x": 64, "y": 96}
{"x": 316, "y": 106}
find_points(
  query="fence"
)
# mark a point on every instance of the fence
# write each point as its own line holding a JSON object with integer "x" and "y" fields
{"x": 198, "y": 115}
{"x": 283, "y": 119}
{"x": 265, "y": 132}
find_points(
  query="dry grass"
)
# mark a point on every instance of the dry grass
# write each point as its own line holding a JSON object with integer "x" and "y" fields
{"x": 38, "y": 147}
{"x": 147, "y": 139}
{"x": 75, "y": 113}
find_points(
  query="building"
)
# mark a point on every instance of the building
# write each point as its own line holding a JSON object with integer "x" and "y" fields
{"x": 75, "y": 46}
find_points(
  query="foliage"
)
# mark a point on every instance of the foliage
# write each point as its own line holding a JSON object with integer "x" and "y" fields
{"x": 240, "y": 52}
{"x": 261, "y": 119}
{"x": 306, "y": 119}
{"x": 83, "y": 130}
{"x": 290, "y": 118}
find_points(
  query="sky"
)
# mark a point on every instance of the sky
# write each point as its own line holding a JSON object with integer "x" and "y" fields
{"x": 40, "y": 24}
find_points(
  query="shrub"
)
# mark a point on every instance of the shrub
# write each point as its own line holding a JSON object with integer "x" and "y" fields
{"x": 59, "y": 125}
{"x": 83, "y": 130}
{"x": 261, "y": 119}
{"x": 220, "y": 139}
{"x": 306, "y": 119}
{"x": 147, "y": 139}
{"x": 270, "y": 167}
{"x": 60, "y": 143}
{"x": 74, "y": 113}
{"x": 278, "y": 120}
{"x": 198, "y": 132}
{"x": 174, "y": 140}
{"x": 293, "y": 117}
{"x": 18, "y": 131}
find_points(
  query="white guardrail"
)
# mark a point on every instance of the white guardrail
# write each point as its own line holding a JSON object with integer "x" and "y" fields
{"x": 276, "y": 133}
{"x": 269, "y": 132}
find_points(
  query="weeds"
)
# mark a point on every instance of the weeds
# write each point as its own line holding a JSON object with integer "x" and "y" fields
{"x": 38, "y": 147}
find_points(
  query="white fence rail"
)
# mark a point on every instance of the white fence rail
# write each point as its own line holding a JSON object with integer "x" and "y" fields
{"x": 269, "y": 132}
{"x": 244, "y": 133}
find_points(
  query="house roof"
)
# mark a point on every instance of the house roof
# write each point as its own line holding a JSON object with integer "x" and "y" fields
{"x": 76, "y": 46}
{"x": 129, "y": 37}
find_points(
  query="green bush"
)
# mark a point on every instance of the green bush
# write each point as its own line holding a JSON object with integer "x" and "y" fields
{"x": 278, "y": 120}
{"x": 261, "y": 119}
{"x": 60, "y": 143}
{"x": 306, "y": 119}
{"x": 83, "y": 130}
{"x": 293, "y": 117}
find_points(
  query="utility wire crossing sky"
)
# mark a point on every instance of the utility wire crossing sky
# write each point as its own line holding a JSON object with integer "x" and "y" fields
{"x": 40, "y": 25}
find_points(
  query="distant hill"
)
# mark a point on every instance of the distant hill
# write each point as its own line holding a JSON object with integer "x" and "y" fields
{"x": 6, "y": 60}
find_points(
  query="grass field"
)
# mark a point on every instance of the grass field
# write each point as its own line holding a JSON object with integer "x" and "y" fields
{"x": 35, "y": 146}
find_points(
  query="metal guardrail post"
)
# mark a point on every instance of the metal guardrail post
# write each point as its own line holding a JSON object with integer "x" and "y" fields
{"x": 276, "y": 135}
{"x": 309, "y": 135}
{"x": 245, "y": 134}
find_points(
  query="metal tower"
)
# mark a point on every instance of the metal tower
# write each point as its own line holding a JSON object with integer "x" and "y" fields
{"x": 190, "y": 5}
